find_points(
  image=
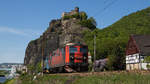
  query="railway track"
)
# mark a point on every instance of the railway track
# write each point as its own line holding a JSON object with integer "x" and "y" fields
{"x": 100, "y": 73}
{"x": 73, "y": 74}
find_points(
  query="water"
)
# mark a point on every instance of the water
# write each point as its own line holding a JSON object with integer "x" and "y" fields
{"x": 2, "y": 79}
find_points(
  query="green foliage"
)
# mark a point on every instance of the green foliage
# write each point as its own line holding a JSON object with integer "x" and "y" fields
{"x": 3, "y": 72}
{"x": 90, "y": 23}
{"x": 77, "y": 16}
{"x": 111, "y": 41}
{"x": 84, "y": 20}
{"x": 118, "y": 78}
{"x": 39, "y": 67}
{"x": 31, "y": 68}
{"x": 93, "y": 21}
{"x": 66, "y": 17}
{"x": 147, "y": 59}
{"x": 26, "y": 79}
{"x": 83, "y": 16}
{"x": 111, "y": 62}
{"x": 19, "y": 72}
{"x": 10, "y": 81}
{"x": 35, "y": 68}
{"x": 148, "y": 66}
{"x": 90, "y": 67}
{"x": 46, "y": 79}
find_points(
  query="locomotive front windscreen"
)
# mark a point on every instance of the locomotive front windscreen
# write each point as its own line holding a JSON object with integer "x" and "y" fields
{"x": 84, "y": 50}
{"x": 72, "y": 49}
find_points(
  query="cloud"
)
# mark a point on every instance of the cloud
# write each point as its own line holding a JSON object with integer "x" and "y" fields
{"x": 22, "y": 32}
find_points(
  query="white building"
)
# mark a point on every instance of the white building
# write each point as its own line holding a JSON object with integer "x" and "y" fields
{"x": 137, "y": 49}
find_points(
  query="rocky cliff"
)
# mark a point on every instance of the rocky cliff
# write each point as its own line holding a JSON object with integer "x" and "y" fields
{"x": 59, "y": 32}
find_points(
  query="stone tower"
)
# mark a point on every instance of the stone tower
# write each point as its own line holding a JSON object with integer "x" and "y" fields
{"x": 76, "y": 9}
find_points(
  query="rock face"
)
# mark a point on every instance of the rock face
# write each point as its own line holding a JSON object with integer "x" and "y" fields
{"x": 59, "y": 32}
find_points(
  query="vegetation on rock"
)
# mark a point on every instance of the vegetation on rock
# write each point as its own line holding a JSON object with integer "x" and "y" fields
{"x": 84, "y": 20}
{"x": 90, "y": 23}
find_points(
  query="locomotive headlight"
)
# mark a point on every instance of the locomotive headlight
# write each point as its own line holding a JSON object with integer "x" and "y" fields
{"x": 84, "y": 57}
{"x": 72, "y": 57}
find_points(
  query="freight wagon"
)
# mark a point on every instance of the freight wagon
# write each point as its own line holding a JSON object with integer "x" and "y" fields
{"x": 71, "y": 58}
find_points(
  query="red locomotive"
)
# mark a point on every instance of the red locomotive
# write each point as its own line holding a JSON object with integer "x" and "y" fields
{"x": 72, "y": 57}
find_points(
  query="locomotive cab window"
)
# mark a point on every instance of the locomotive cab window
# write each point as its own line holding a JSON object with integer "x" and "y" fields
{"x": 84, "y": 50}
{"x": 72, "y": 49}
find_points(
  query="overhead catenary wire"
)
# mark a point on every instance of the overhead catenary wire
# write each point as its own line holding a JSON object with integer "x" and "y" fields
{"x": 100, "y": 11}
{"x": 106, "y": 7}
{"x": 108, "y": 3}
{"x": 105, "y": 1}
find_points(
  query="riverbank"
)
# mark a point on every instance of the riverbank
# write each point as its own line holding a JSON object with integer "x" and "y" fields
{"x": 88, "y": 78}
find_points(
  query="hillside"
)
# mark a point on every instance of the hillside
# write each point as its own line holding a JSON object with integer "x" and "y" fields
{"x": 112, "y": 40}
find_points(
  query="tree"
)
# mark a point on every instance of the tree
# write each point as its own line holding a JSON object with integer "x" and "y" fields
{"x": 90, "y": 23}
{"x": 147, "y": 59}
{"x": 83, "y": 16}
{"x": 93, "y": 21}
{"x": 39, "y": 67}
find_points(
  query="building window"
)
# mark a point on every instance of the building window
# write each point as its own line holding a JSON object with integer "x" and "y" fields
{"x": 136, "y": 56}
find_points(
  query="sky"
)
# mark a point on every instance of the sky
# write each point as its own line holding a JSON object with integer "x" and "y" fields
{"x": 24, "y": 20}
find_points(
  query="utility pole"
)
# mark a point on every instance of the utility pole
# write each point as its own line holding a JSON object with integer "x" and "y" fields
{"x": 94, "y": 48}
{"x": 94, "y": 51}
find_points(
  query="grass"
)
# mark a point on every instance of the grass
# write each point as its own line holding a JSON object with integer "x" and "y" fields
{"x": 3, "y": 72}
{"x": 46, "y": 79}
{"x": 12, "y": 81}
{"x": 54, "y": 79}
{"x": 131, "y": 78}
{"x": 98, "y": 78}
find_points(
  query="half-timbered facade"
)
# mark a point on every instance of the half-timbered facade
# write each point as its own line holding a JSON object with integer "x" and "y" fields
{"x": 137, "y": 49}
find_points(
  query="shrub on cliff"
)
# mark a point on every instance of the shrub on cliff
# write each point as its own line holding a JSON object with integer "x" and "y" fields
{"x": 77, "y": 16}
{"x": 39, "y": 67}
{"x": 83, "y": 16}
{"x": 90, "y": 23}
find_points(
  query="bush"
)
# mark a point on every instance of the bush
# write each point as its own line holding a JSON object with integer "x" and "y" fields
{"x": 66, "y": 17}
{"x": 147, "y": 59}
{"x": 39, "y": 67}
{"x": 77, "y": 16}
{"x": 83, "y": 16}
{"x": 111, "y": 62}
{"x": 148, "y": 67}
{"x": 90, "y": 23}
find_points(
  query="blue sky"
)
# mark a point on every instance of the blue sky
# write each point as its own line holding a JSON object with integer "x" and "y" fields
{"x": 25, "y": 20}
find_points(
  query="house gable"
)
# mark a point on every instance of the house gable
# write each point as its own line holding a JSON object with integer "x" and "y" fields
{"x": 137, "y": 49}
{"x": 132, "y": 47}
